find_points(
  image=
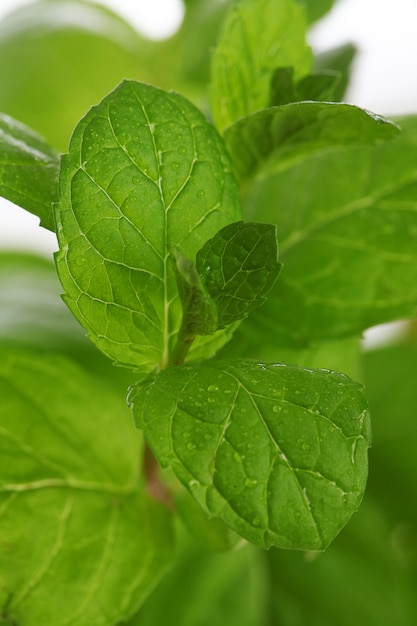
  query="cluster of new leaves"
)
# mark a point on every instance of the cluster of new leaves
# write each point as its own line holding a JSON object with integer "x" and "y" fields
{"x": 161, "y": 263}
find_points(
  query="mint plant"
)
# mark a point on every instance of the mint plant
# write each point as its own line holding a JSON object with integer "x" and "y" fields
{"x": 223, "y": 267}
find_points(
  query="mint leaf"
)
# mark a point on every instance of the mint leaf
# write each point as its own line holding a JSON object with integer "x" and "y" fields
{"x": 278, "y": 453}
{"x": 349, "y": 242}
{"x": 199, "y": 315}
{"x": 338, "y": 60}
{"x": 145, "y": 173}
{"x": 239, "y": 267}
{"x": 317, "y": 8}
{"x": 69, "y": 476}
{"x": 28, "y": 170}
{"x": 318, "y": 86}
{"x": 65, "y": 56}
{"x": 31, "y": 312}
{"x": 273, "y": 137}
{"x": 206, "y": 588}
{"x": 257, "y": 37}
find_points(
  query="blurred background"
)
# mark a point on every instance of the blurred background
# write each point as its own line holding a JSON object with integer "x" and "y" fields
{"x": 382, "y": 78}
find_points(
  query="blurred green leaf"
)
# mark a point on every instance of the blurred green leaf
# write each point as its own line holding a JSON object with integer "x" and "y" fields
{"x": 209, "y": 589}
{"x": 318, "y": 86}
{"x": 28, "y": 170}
{"x": 347, "y": 225}
{"x": 339, "y": 60}
{"x": 257, "y": 37}
{"x": 278, "y": 453}
{"x": 32, "y": 315}
{"x": 65, "y": 56}
{"x": 360, "y": 579}
{"x": 69, "y": 476}
{"x": 277, "y": 138}
{"x": 316, "y": 9}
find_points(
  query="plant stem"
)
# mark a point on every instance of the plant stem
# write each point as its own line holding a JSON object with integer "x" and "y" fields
{"x": 155, "y": 486}
{"x": 180, "y": 351}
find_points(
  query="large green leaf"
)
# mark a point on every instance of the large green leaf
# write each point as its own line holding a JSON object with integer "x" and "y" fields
{"x": 28, "y": 170}
{"x": 273, "y": 137}
{"x": 57, "y": 58}
{"x": 347, "y": 225}
{"x": 146, "y": 173}
{"x": 257, "y": 37}
{"x": 279, "y": 453}
{"x": 81, "y": 543}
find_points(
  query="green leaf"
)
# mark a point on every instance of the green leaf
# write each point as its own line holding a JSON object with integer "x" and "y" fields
{"x": 277, "y": 452}
{"x": 278, "y": 137}
{"x": 69, "y": 477}
{"x": 146, "y": 173}
{"x": 349, "y": 242}
{"x": 338, "y": 60}
{"x": 199, "y": 311}
{"x": 317, "y": 8}
{"x": 257, "y": 37}
{"x": 318, "y": 86}
{"x": 360, "y": 579}
{"x": 205, "y": 588}
{"x": 66, "y": 55}
{"x": 28, "y": 170}
{"x": 239, "y": 267}
{"x": 32, "y": 315}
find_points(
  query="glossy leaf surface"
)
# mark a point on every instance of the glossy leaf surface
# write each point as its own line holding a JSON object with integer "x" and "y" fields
{"x": 146, "y": 173}
{"x": 239, "y": 267}
{"x": 278, "y": 453}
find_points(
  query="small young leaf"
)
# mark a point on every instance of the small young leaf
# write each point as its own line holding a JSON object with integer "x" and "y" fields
{"x": 239, "y": 267}
{"x": 279, "y": 453}
{"x": 76, "y": 522}
{"x": 199, "y": 311}
{"x": 275, "y": 136}
{"x": 145, "y": 174}
{"x": 317, "y": 8}
{"x": 257, "y": 37}
{"x": 28, "y": 170}
{"x": 338, "y": 60}
{"x": 318, "y": 86}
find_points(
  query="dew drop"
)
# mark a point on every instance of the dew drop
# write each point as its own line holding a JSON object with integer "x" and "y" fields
{"x": 212, "y": 388}
{"x": 135, "y": 180}
{"x": 201, "y": 193}
{"x": 276, "y": 408}
{"x": 175, "y": 166}
{"x": 182, "y": 149}
{"x": 191, "y": 446}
